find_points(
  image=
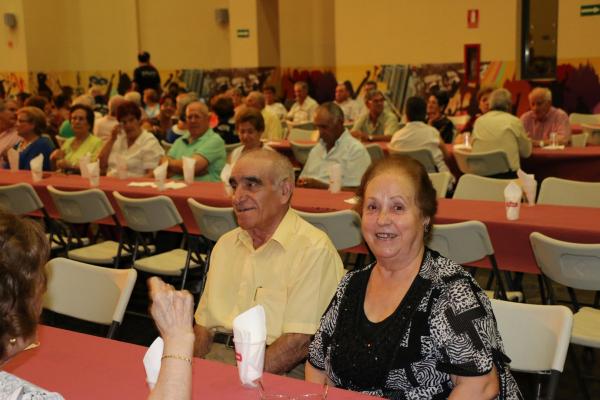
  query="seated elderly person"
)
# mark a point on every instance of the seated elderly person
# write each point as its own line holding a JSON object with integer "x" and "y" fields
{"x": 83, "y": 143}
{"x": 273, "y": 128}
{"x": 8, "y": 130}
{"x": 350, "y": 107}
{"x": 378, "y": 124}
{"x": 336, "y": 146}
{"x": 436, "y": 106}
{"x": 303, "y": 109}
{"x": 272, "y": 104}
{"x": 223, "y": 108}
{"x": 417, "y": 134}
{"x": 499, "y": 130}
{"x": 31, "y": 124}
{"x": 201, "y": 143}
{"x": 275, "y": 259}
{"x": 104, "y": 126}
{"x": 542, "y": 119}
{"x": 139, "y": 149}
{"x": 412, "y": 324}
{"x": 250, "y": 126}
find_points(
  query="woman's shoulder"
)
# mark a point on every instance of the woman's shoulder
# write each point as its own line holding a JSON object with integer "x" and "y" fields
{"x": 441, "y": 270}
{"x": 13, "y": 387}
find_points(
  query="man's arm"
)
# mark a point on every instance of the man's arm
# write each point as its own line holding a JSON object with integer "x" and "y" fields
{"x": 307, "y": 182}
{"x": 203, "y": 341}
{"x": 176, "y": 166}
{"x": 286, "y": 352}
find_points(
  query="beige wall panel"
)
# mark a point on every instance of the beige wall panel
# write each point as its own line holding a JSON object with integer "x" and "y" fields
{"x": 578, "y": 37}
{"x": 244, "y": 50}
{"x": 13, "y": 42}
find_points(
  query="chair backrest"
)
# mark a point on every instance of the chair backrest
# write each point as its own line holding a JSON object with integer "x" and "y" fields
{"x": 575, "y": 265}
{"x": 375, "y": 152}
{"x": 536, "y": 337}
{"x": 19, "y": 198}
{"x": 342, "y": 227}
{"x": 474, "y": 187}
{"x": 440, "y": 181}
{"x": 232, "y": 146}
{"x": 150, "y": 214}
{"x": 576, "y": 118}
{"x": 483, "y": 163}
{"x": 422, "y": 155}
{"x": 463, "y": 242}
{"x": 580, "y": 139}
{"x": 213, "y": 222}
{"x": 569, "y": 193}
{"x": 301, "y": 150}
{"x": 81, "y": 206}
{"x": 306, "y": 135}
{"x": 88, "y": 292}
{"x": 459, "y": 120}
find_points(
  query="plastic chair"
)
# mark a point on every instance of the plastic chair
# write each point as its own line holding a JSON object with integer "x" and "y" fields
{"x": 536, "y": 338}
{"x": 89, "y": 292}
{"x": 303, "y": 135}
{"x": 440, "y": 181}
{"x": 84, "y": 207}
{"x": 422, "y": 155}
{"x": 301, "y": 151}
{"x": 566, "y": 192}
{"x": 213, "y": 222}
{"x": 576, "y": 266}
{"x": 465, "y": 243}
{"x": 342, "y": 227}
{"x": 475, "y": 187}
{"x": 576, "y": 118}
{"x": 375, "y": 152}
{"x": 579, "y": 140}
{"x": 150, "y": 215}
{"x": 232, "y": 146}
{"x": 482, "y": 163}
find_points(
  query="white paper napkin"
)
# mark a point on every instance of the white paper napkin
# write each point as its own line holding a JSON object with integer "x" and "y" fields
{"x": 83, "y": 163}
{"x": 93, "y": 170}
{"x": 529, "y": 185}
{"x": 160, "y": 174}
{"x": 189, "y": 163}
{"x": 121, "y": 166}
{"x": 13, "y": 159}
{"x": 249, "y": 336}
{"x": 335, "y": 178}
{"x": 512, "y": 200}
{"x": 225, "y": 175}
{"x": 36, "y": 167}
{"x": 152, "y": 361}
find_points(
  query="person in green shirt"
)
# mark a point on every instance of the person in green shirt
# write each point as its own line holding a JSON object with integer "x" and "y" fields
{"x": 201, "y": 143}
{"x": 83, "y": 142}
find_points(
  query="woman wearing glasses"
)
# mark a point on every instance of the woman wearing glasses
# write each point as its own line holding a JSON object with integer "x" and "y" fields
{"x": 31, "y": 124}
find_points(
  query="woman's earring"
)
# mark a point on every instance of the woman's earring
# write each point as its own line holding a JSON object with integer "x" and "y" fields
{"x": 12, "y": 340}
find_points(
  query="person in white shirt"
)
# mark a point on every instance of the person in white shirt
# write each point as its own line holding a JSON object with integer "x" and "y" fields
{"x": 140, "y": 150}
{"x": 104, "y": 125}
{"x": 336, "y": 146}
{"x": 271, "y": 105}
{"x": 417, "y": 134}
{"x": 305, "y": 106}
{"x": 273, "y": 128}
{"x": 350, "y": 107}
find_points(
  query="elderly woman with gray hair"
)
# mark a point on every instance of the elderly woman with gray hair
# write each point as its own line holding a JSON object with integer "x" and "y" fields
{"x": 500, "y": 130}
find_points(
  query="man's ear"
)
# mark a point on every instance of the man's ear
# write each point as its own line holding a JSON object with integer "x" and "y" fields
{"x": 286, "y": 188}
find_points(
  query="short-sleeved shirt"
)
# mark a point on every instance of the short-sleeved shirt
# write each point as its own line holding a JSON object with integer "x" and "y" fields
{"x": 305, "y": 112}
{"x": 351, "y": 108}
{"x": 40, "y": 146}
{"x": 11, "y": 384}
{"x": 146, "y": 76}
{"x": 444, "y": 326}
{"x": 347, "y": 152}
{"x": 92, "y": 145}
{"x": 209, "y": 145}
{"x": 273, "y": 128}
{"x": 386, "y": 124}
{"x": 144, "y": 154}
{"x": 293, "y": 276}
{"x": 8, "y": 139}
{"x": 277, "y": 109}
{"x": 555, "y": 121}
{"x": 417, "y": 134}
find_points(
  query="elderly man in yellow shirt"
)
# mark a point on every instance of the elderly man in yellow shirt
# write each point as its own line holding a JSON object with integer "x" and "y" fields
{"x": 275, "y": 259}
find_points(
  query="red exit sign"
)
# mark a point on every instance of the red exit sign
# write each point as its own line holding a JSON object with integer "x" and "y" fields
{"x": 472, "y": 19}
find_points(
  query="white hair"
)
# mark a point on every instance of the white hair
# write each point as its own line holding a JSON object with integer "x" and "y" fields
{"x": 544, "y": 93}
{"x": 501, "y": 100}
{"x": 134, "y": 97}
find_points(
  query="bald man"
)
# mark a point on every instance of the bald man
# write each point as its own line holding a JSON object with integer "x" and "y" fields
{"x": 542, "y": 119}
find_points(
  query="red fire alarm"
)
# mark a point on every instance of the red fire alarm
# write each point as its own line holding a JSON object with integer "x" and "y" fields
{"x": 472, "y": 19}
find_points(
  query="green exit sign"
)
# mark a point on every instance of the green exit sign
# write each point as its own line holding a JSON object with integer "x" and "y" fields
{"x": 243, "y": 33}
{"x": 590, "y": 9}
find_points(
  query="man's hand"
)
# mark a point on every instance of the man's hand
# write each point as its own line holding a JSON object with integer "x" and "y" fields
{"x": 286, "y": 352}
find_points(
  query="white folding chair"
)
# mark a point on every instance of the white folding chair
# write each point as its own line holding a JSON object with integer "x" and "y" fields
{"x": 81, "y": 208}
{"x": 308, "y": 134}
{"x": 232, "y": 146}
{"x": 375, "y": 152}
{"x": 88, "y": 292}
{"x": 536, "y": 338}
{"x": 576, "y": 266}
{"x": 580, "y": 139}
{"x": 468, "y": 242}
{"x": 213, "y": 222}
{"x": 342, "y": 227}
{"x": 566, "y": 192}
{"x": 422, "y": 155}
{"x": 475, "y": 187}
{"x": 150, "y": 215}
{"x": 482, "y": 163}
{"x": 440, "y": 182}
{"x": 576, "y": 118}
{"x": 301, "y": 151}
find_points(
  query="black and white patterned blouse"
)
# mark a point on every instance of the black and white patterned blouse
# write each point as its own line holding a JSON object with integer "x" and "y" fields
{"x": 444, "y": 326}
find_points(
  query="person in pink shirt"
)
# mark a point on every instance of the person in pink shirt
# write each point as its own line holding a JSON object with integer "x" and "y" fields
{"x": 542, "y": 119}
{"x": 8, "y": 131}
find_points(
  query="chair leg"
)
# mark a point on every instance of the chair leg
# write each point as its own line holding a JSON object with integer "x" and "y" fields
{"x": 490, "y": 281}
{"x": 552, "y": 384}
{"x": 112, "y": 329}
{"x": 542, "y": 289}
{"x": 573, "y": 297}
{"x": 578, "y": 374}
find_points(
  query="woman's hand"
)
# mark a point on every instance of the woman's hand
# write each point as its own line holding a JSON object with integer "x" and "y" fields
{"x": 171, "y": 309}
{"x": 57, "y": 155}
{"x": 115, "y": 132}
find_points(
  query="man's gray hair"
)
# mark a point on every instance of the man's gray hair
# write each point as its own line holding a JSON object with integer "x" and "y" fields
{"x": 281, "y": 168}
{"x": 542, "y": 92}
{"x": 302, "y": 84}
{"x": 259, "y": 97}
{"x": 335, "y": 112}
{"x": 203, "y": 107}
{"x": 372, "y": 93}
{"x": 501, "y": 100}
{"x": 113, "y": 103}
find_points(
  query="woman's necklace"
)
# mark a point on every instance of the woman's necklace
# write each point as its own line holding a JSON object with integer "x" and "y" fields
{"x": 23, "y": 144}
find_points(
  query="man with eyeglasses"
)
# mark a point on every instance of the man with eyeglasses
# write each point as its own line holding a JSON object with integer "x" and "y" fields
{"x": 378, "y": 124}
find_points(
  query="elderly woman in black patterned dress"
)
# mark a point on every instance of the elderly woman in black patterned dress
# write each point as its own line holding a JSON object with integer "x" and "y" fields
{"x": 412, "y": 325}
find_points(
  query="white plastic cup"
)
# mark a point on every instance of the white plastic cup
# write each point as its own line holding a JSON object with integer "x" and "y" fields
{"x": 250, "y": 358}
{"x": 160, "y": 184}
{"x": 94, "y": 181}
{"x": 553, "y": 141}
{"x": 335, "y": 178}
{"x": 36, "y": 176}
{"x": 467, "y": 137}
{"x": 513, "y": 209}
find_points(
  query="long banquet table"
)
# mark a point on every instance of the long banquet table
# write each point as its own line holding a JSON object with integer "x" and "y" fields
{"x": 87, "y": 367}
{"x": 510, "y": 238}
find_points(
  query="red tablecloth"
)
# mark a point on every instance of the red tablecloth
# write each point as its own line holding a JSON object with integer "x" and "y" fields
{"x": 80, "y": 366}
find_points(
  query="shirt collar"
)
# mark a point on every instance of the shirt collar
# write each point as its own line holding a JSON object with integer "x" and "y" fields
{"x": 283, "y": 236}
